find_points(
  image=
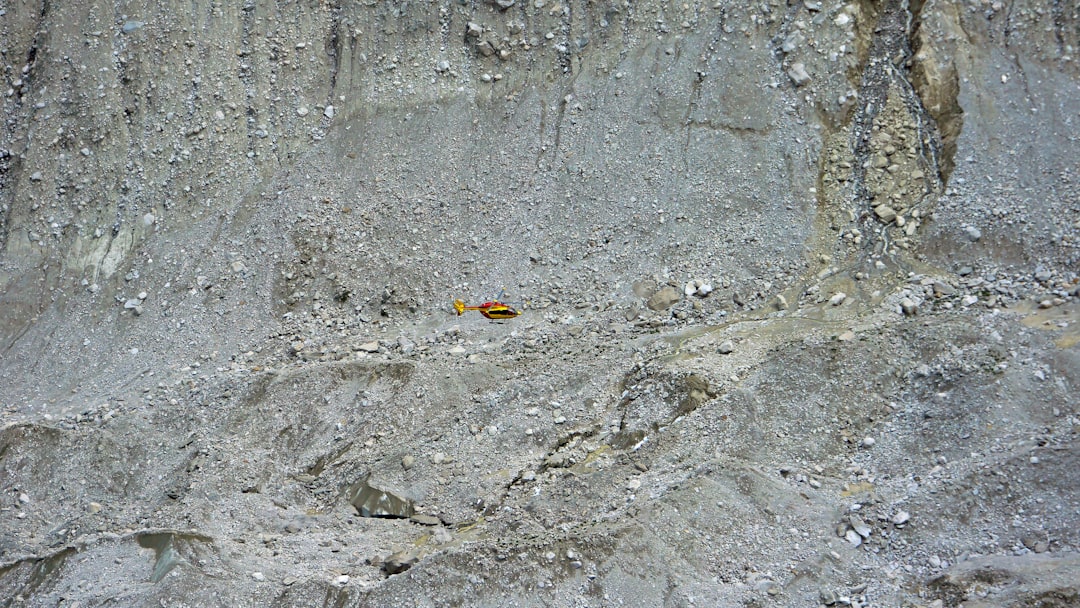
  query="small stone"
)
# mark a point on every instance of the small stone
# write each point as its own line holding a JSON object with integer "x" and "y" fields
{"x": 885, "y": 213}
{"x": 853, "y": 537}
{"x": 828, "y": 597}
{"x": 398, "y": 562}
{"x": 968, "y": 300}
{"x": 909, "y": 307}
{"x": 861, "y": 527}
{"x": 847, "y": 336}
{"x": 342, "y": 580}
{"x": 900, "y": 518}
{"x": 504, "y": 4}
{"x": 329, "y": 111}
{"x": 474, "y": 29}
{"x": 942, "y": 289}
{"x": 442, "y": 66}
{"x": 838, "y": 299}
{"x": 868, "y": 442}
{"x": 792, "y": 42}
{"x": 663, "y": 299}
{"x": 35, "y": 176}
{"x": 94, "y": 507}
{"x": 798, "y": 74}
{"x": 408, "y": 461}
{"x": 370, "y": 347}
{"x": 438, "y": 458}
{"x": 726, "y": 347}
{"x": 973, "y": 234}
{"x": 781, "y": 302}
{"x": 258, "y": 576}
{"x": 457, "y": 350}
{"x": 425, "y": 520}
{"x": 842, "y": 19}
{"x": 302, "y": 111}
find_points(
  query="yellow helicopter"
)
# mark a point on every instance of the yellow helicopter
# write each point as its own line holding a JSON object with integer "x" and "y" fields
{"x": 493, "y": 309}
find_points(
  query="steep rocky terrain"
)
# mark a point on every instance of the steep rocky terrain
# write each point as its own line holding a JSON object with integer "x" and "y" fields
{"x": 798, "y": 279}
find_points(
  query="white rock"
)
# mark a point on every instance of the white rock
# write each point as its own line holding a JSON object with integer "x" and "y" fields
{"x": 258, "y": 576}
{"x": 798, "y": 74}
{"x": 842, "y": 19}
{"x": 968, "y": 300}
{"x": 861, "y": 527}
{"x": 909, "y": 307}
{"x": 838, "y": 299}
{"x": 704, "y": 290}
{"x": 329, "y": 111}
{"x": 457, "y": 350}
{"x": 853, "y": 537}
{"x": 901, "y": 518}
{"x": 868, "y": 442}
{"x": 885, "y": 213}
{"x": 302, "y": 111}
{"x": 370, "y": 347}
{"x": 342, "y": 580}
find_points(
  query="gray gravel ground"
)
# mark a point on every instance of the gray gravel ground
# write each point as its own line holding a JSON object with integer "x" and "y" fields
{"x": 799, "y": 284}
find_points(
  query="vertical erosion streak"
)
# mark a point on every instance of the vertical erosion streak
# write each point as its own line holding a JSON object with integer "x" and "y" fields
{"x": 929, "y": 96}
{"x": 333, "y": 48}
{"x": 890, "y": 39}
{"x": 937, "y": 85}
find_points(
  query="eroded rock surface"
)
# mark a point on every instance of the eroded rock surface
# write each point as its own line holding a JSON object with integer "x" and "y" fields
{"x": 798, "y": 280}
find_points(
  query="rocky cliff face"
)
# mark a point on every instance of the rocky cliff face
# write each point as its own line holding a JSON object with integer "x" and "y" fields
{"x": 799, "y": 283}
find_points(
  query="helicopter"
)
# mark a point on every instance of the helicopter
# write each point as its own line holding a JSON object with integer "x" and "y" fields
{"x": 493, "y": 309}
